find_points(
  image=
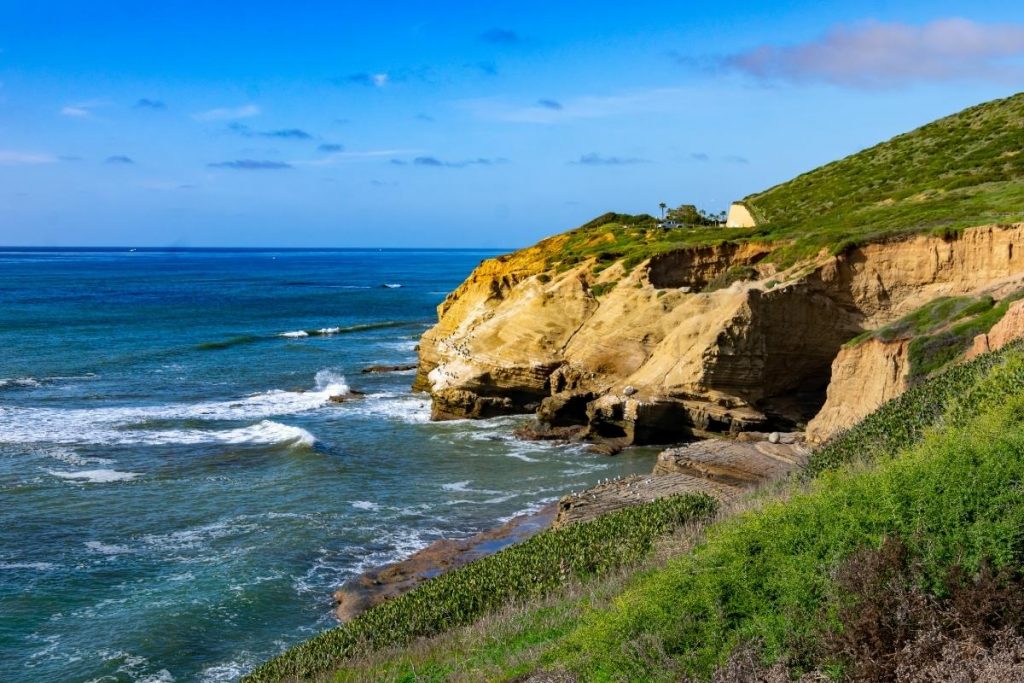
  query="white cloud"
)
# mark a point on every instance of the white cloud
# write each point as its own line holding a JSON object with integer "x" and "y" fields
{"x": 366, "y": 155}
{"x": 873, "y": 54}
{"x": 228, "y": 113}
{"x": 81, "y": 110}
{"x": 13, "y": 158}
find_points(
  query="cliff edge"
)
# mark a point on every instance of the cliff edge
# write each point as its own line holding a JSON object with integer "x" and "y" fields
{"x": 624, "y": 330}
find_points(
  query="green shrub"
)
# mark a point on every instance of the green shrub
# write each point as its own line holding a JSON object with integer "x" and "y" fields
{"x": 737, "y": 273}
{"x": 602, "y": 288}
{"x": 530, "y": 569}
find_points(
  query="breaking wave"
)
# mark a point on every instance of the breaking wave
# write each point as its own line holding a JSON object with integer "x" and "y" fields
{"x": 350, "y": 329}
{"x": 96, "y": 476}
{"x": 130, "y": 425}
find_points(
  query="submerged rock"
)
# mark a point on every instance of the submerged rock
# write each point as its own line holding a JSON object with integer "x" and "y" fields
{"x": 388, "y": 368}
{"x": 352, "y": 395}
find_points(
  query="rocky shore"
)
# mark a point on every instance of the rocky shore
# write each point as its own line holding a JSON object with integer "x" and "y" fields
{"x": 725, "y": 468}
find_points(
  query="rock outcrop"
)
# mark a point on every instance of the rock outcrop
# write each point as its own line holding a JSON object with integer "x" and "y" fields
{"x": 722, "y": 468}
{"x": 708, "y": 339}
{"x": 863, "y": 377}
{"x": 1009, "y": 328}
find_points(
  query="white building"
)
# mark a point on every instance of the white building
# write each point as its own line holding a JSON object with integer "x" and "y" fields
{"x": 739, "y": 217}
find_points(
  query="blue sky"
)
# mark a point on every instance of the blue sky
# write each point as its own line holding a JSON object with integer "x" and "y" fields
{"x": 452, "y": 124}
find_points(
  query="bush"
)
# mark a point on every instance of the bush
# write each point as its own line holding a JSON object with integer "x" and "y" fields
{"x": 889, "y": 626}
{"x": 602, "y": 288}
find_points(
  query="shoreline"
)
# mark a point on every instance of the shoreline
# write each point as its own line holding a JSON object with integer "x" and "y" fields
{"x": 387, "y": 581}
{"x": 724, "y": 468}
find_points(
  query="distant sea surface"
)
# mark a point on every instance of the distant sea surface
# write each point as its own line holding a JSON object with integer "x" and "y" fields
{"x": 178, "y": 497}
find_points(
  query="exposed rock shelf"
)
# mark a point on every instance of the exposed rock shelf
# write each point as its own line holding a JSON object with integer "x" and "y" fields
{"x": 723, "y": 468}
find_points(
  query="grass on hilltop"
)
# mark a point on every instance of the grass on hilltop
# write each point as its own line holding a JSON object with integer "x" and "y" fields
{"x": 957, "y": 172}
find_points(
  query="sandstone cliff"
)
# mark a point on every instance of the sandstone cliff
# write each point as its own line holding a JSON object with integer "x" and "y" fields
{"x": 696, "y": 340}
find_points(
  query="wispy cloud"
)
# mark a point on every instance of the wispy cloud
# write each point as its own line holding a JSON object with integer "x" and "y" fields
{"x": 281, "y": 133}
{"x": 118, "y": 159}
{"x": 500, "y": 36}
{"x": 873, "y": 54}
{"x": 15, "y": 158}
{"x": 486, "y": 68}
{"x": 736, "y": 159}
{"x": 357, "y": 155}
{"x": 595, "y": 159}
{"x": 147, "y": 103}
{"x": 330, "y": 147}
{"x": 372, "y": 80}
{"x": 251, "y": 165}
{"x": 585, "y": 107}
{"x": 426, "y": 118}
{"x": 435, "y": 162}
{"x": 288, "y": 134}
{"x": 244, "y": 111}
{"x": 384, "y": 78}
{"x": 699, "y": 156}
{"x": 80, "y": 110}
{"x": 166, "y": 185}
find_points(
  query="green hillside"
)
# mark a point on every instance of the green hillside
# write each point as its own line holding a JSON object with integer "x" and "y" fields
{"x": 908, "y": 532}
{"x": 960, "y": 171}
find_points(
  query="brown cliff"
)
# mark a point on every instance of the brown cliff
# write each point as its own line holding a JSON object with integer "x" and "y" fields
{"x": 697, "y": 340}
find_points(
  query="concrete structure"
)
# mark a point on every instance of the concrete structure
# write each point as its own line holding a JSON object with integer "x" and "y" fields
{"x": 739, "y": 217}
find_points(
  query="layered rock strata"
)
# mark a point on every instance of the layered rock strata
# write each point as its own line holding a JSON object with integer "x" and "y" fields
{"x": 697, "y": 354}
{"x": 723, "y": 468}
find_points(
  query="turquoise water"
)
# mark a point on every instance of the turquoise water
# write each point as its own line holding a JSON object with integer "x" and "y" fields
{"x": 178, "y": 498}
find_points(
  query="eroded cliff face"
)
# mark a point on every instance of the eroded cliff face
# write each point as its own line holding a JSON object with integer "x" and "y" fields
{"x": 863, "y": 378}
{"x": 658, "y": 353}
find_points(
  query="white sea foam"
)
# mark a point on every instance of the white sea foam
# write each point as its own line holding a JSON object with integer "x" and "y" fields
{"x": 69, "y": 457}
{"x": 19, "y": 382}
{"x": 392, "y": 285}
{"x": 463, "y": 487}
{"x": 31, "y": 382}
{"x": 96, "y": 476}
{"x": 228, "y": 671}
{"x": 198, "y": 537}
{"x": 112, "y": 425}
{"x": 404, "y": 346}
{"x": 365, "y": 505}
{"x": 265, "y": 432}
{"x": 106, "y": 549}
{"x": 408, "y": 408}
{"x": 297, "y": 334}
{"x": 36, "y": 566}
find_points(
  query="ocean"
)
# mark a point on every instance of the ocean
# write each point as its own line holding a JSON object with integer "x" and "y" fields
{"x": 178, "y": 496}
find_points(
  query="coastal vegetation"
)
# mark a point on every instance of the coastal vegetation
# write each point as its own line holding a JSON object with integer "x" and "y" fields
{"x": 923, "y": 496}
{"x": 532, "y": 569}
{"x": 941, "y": 330}
{"x": 963, "y": 170}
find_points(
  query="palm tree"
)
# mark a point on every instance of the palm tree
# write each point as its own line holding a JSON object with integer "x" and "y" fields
{"x": 663, "y": 206}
